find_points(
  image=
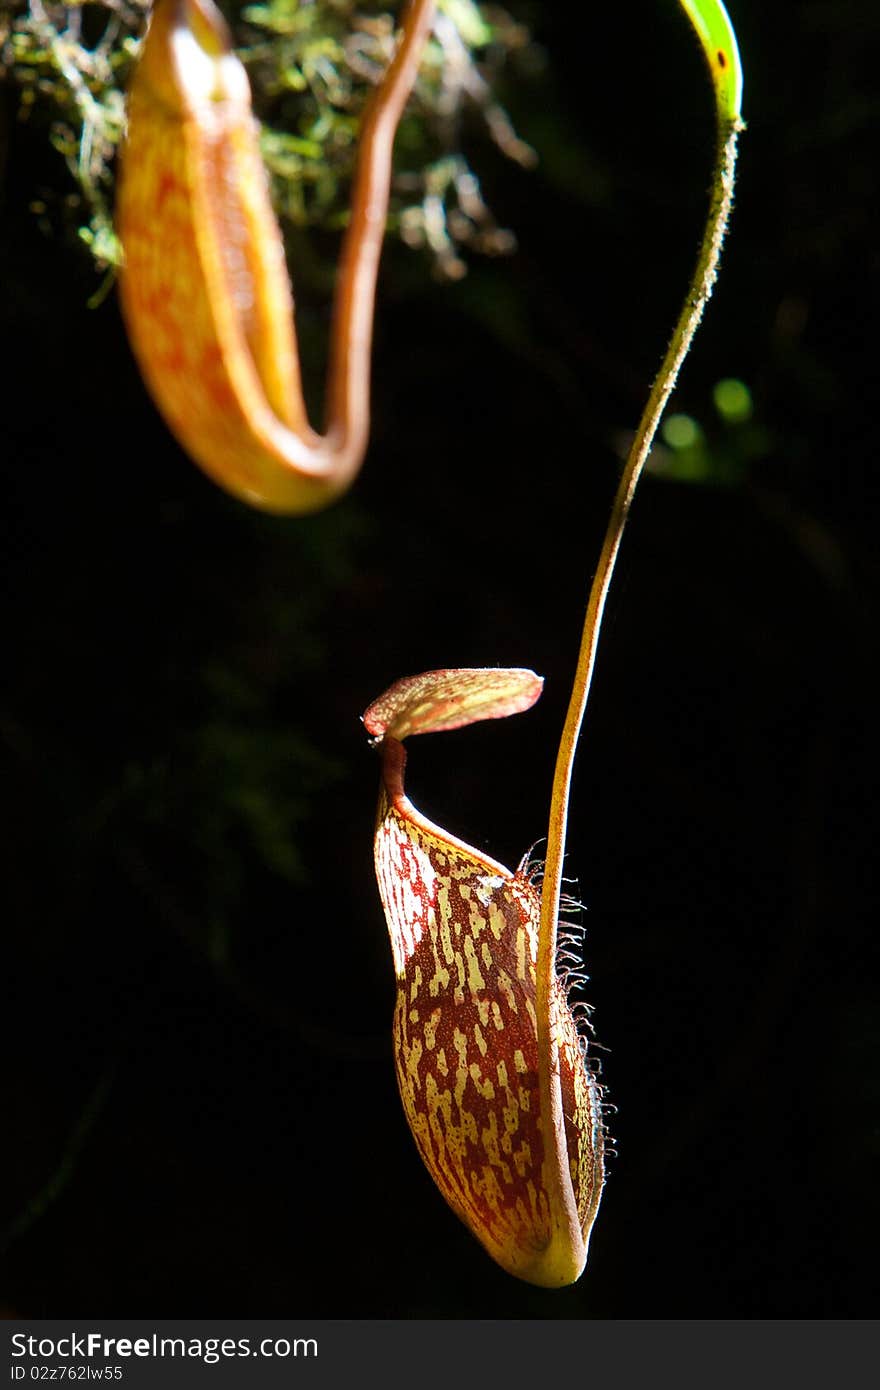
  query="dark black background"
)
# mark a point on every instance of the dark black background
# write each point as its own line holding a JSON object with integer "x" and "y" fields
{"x": 199, "y": 1103}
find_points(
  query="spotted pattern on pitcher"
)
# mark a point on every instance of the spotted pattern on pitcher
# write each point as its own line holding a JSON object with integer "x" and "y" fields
{"x": 464, "y": 937}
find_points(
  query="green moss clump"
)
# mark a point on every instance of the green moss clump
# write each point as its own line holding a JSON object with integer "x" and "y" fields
{"x": 311, "y": 67}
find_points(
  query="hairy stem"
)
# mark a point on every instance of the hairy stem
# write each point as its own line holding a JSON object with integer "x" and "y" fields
{"x": 698, "y": 293}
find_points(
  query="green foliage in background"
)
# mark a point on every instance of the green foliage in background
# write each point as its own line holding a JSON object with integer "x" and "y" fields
{"x": 311, "y": 66}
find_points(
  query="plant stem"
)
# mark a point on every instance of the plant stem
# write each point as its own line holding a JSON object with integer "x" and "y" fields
{"x": 698, "y": 293}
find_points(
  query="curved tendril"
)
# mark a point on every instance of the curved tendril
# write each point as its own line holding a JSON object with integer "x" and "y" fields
{"x": 713, "y": 27}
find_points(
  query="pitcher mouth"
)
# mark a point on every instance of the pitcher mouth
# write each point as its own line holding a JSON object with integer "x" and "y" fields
{"x": 194, "y": 65}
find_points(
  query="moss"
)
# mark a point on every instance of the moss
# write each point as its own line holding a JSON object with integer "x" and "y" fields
{"x": 311, "y": 67}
